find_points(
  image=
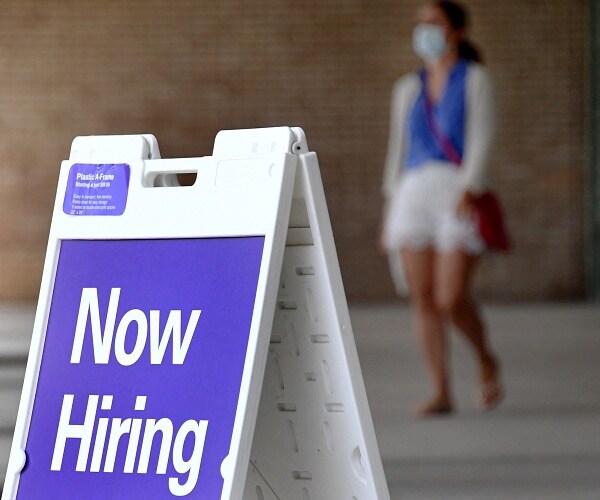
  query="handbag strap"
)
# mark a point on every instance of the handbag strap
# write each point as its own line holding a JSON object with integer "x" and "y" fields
{"x": 449, "y": 150}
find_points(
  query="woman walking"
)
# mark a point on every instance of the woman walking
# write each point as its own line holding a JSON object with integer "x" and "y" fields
{"x": 440, "y": 135}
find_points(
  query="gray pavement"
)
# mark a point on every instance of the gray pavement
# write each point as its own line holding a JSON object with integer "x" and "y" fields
{"x": 543, "y": 442}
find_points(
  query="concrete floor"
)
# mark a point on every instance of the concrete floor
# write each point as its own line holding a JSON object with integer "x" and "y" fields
{"x": 542, "y": 443}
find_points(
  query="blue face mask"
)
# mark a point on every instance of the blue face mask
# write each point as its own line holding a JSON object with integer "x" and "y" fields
{"x": 429, "y": 42}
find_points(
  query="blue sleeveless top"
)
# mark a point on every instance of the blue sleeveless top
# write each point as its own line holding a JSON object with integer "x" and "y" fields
{"x": 449, "y": 113}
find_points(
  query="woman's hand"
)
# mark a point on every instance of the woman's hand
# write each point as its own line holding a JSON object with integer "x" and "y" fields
{"x": 466, "y": 205}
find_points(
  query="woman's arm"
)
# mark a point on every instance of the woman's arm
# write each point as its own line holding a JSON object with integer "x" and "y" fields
{"x": 479, "y": 129}
{"x": 403, "y": 95}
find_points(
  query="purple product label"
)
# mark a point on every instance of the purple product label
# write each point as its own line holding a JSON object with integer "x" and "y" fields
{"x": 96, "y": 189}
{"x": 141, "y": 368}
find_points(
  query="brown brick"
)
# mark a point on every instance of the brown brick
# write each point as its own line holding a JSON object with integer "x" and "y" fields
{"x": 185, "y": 69}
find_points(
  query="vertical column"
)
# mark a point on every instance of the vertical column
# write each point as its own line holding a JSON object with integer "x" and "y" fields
{"x": 593, "y": 205}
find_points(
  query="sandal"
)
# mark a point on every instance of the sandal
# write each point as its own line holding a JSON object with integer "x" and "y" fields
{"x": 489, "y": 396}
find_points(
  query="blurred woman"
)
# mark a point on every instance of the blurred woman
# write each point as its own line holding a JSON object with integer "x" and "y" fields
{"x": 440, "y": 135}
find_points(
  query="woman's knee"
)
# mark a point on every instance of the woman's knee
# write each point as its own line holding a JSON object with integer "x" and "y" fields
{"x": 450, "y": 305}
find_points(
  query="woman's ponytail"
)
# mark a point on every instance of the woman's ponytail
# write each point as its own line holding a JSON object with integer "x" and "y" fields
{"x": 468, "y": 51}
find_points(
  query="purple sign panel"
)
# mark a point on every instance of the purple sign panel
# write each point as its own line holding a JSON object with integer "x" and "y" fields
{"x": 141, "y": 368}
{"x": 96, "y": 189}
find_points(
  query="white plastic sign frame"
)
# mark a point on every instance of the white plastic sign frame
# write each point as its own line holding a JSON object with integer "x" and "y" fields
{"x": 256, "y": 219}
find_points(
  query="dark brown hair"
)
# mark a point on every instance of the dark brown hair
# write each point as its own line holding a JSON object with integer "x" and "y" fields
{"x": 459, "y": 20}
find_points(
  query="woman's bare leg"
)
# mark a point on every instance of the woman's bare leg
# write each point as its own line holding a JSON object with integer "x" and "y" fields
{"x": 453, "y": 296}
{"x": 419, "y": 266}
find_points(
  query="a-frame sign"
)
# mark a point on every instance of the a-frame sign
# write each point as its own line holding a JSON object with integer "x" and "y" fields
{"x": 193, "y": 341}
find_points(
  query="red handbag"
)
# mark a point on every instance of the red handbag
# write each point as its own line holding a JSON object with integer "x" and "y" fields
{"x": 489, "y": 213}
{"x": 490, "y": 221}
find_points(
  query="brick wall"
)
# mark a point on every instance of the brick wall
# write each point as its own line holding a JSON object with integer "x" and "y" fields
{"x": 185, "y": 69}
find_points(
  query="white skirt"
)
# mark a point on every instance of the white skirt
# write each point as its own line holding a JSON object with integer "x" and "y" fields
{"x": 422, "y": 213}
